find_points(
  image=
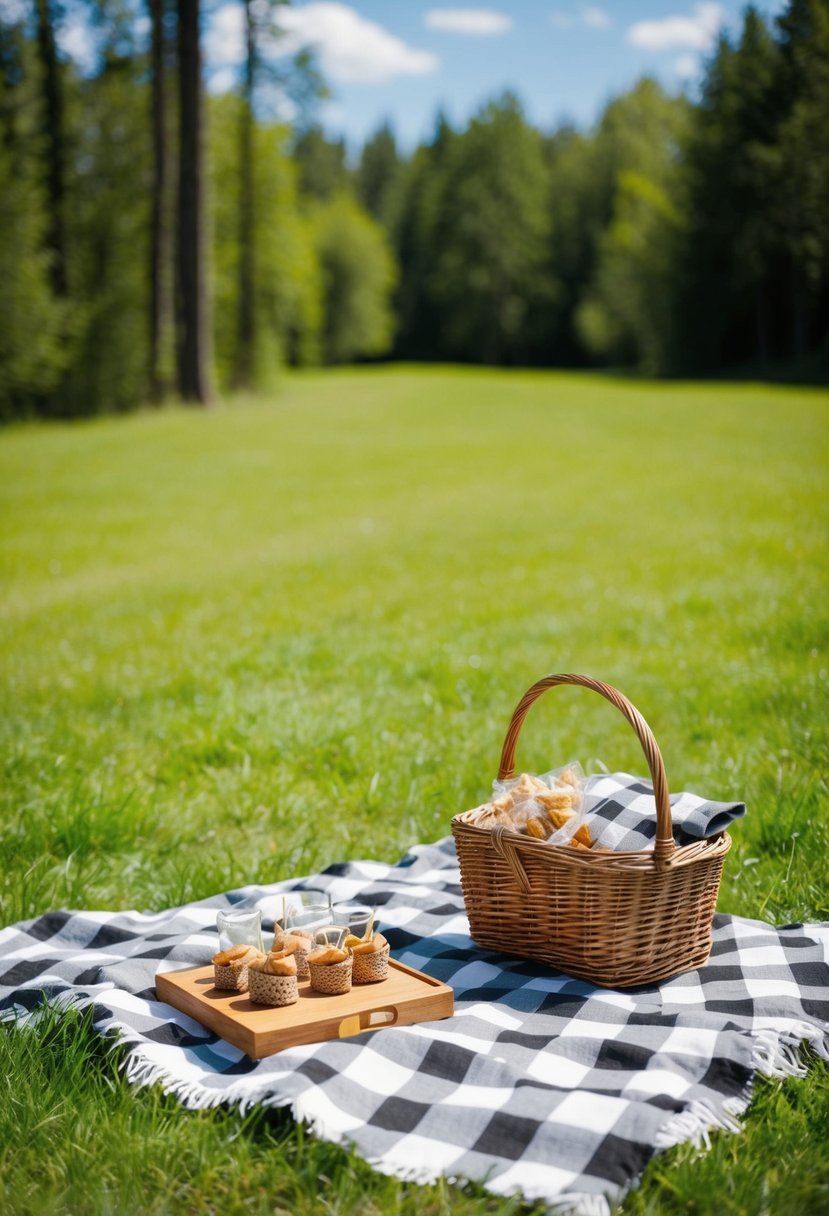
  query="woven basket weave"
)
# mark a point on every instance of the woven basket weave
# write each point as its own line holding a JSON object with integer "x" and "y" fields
{"x": 371, "y": 968}
{"x": 232, "y": 978}
{"x": 617, "y": 919}
{"x": 332, "y": 979}
{"x": 267, "y": 989}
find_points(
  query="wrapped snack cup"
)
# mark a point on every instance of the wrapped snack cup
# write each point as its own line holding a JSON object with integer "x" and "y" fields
{"x": 370, "y": 959}
{"x": 330, "y": 963}
{"x": 273, "y": 980}
{"x": 231, "y": 967}
{"x": 298, "y": 942}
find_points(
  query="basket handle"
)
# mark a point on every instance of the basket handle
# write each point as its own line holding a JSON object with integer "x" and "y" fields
{"x": 664, "y": 844}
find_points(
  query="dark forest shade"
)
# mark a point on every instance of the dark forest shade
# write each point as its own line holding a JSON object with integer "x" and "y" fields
{"x": 193, "y": 362}
{"x": 54, "y": 149}
{"x": 243, "y": 372}
{"x": 161, "y": 243}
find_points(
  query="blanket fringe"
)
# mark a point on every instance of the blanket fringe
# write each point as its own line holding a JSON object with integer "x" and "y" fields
{"x": 775, "y": 1054}
{"x": 143, "y": 1072}
{"x": 581, "y": 1205}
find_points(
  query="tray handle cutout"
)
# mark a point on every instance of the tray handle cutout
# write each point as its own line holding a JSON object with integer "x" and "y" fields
{"x": 369, "y": 1019}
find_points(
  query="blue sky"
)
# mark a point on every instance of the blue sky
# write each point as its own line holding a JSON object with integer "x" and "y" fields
{"x": 403, "y": 59}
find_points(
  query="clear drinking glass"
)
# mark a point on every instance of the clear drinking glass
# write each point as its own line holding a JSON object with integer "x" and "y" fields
{"x": 330, "y": 935}
{"x": 355, "y": 918}
{"x": 239, "y": 927}
{"x": 306, "y": 910}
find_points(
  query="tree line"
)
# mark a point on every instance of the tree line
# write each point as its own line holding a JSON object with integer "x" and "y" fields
{"x": 157, "y": 242}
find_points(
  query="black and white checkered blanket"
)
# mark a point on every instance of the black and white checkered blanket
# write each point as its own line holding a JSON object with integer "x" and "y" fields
{"x": 621, "y": 813}
{"x": 539, "y": 1083}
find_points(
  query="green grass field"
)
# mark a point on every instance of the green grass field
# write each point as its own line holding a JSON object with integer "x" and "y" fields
{"x": 241, "y": 645}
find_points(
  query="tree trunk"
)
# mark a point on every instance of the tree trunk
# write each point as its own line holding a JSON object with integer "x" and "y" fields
{"x": 243, "y": 371}
{"x": 54, "y": 144}
{"x": 761, "y": 329}
{"x": 800, "y": 314}
{"x": 160, "y": 239}
{"x": 193, "y": 329}
{"x": 10, "y": 77}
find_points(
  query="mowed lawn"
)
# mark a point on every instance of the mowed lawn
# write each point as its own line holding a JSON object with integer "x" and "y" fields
{"x": 240, "y": 645}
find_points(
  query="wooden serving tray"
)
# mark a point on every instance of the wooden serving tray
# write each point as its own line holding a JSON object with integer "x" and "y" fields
{"x": 407, "y": 996}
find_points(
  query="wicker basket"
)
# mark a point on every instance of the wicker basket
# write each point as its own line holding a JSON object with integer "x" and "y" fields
{"x": 371, "y": 968}
{"x": 267, "y": 989}
{"x": 331, "y": 979}
{"x": 231, "y": 978}
{"x": 618, "y": 919}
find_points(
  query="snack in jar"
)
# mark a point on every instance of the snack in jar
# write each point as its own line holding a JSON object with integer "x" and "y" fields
{"x": 272, "y": 980}
{"x": 231, "y": 966}
{"x": 330, "y": 963}
{"x": 298, "y": 942}
{"x": 370, "y": 957}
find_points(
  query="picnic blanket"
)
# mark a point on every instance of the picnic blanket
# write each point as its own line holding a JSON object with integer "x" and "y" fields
{"x": 539, "y": 1084}
{"x": 621, "y": 812}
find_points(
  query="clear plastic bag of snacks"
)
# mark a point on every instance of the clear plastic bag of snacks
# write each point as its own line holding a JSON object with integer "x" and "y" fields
{"x": 548, "y": 808}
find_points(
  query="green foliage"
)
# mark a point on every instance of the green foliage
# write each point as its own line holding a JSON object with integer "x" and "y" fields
{"x": 378, "y": 175}
{"x": 580, "y": 211}
{"x": 300, "y": 641}
{"x": 320, "y": 163}
{"x": 32, "y": 322}
{"x": 730, "y": 235}
{"x": 287, "y": 283}
{"x": 803, "y": 143}
{"x": 108, "y": 242}
{"x": 483, "y": 229}
{"x": 421, "y": 186}
{"x": 358, "y": 274}
{"x": 627, "y": 316}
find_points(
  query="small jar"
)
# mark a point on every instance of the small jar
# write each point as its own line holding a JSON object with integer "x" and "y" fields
{"x": 266, "y": 989}
{"x": 371, "y": 967}
{"x": 331, "y": 979}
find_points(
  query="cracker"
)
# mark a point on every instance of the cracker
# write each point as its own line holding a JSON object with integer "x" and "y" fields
{"x": 536, "y": 828}
{"x": 554, "y": 800}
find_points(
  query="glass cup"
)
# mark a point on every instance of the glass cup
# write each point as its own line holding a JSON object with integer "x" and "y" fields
{"x": 330, "y": 935}
{"x": 239, "y": 927}
{"x": 354, "y": 918}
{"x": 306, "y": 910}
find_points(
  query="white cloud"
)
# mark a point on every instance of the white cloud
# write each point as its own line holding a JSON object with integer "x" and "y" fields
{"x": 480, "y": 22}
{"x": 590, "y": 15}
{"x": 222, "y": 80}
{"x": 224, "y": 43}
{"x": 277, "y": 103}
{"x": 76, "y": 40}
{"x": 686, "y": 66}
{"x": 596, "y": 18}
{"x": 13, "y": 12}
{"x": 696, "y": 33}
{"x": 351, "y": 48}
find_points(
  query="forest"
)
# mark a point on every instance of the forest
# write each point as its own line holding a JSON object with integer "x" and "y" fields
{"x": 157, "y": 242}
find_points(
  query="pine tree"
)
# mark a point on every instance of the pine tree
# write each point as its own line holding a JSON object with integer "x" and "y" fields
{"x": 161, "y": 238}
{"x": 378, "y": 175}
{"x": 192, "y": 304}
